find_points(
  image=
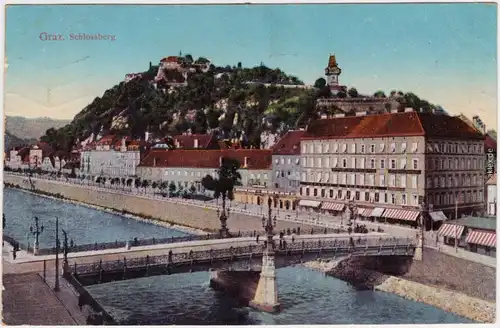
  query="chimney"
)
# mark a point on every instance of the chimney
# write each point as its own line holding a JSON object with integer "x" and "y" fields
{"x": 220, "y": 160}
{"x": 195, "y": 143}
{"x": 245, "y": 162}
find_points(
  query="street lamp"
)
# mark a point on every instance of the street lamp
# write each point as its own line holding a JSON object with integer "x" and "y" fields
{"x": 36, "y": 231}
{"x": 353, "y": 211}
{"x": 268, "y": 226}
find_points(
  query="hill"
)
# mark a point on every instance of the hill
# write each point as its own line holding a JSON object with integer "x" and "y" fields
{"x": 12, "y": 141}
{"x": 31, "y": 128}
{"x": 232, "y": 101}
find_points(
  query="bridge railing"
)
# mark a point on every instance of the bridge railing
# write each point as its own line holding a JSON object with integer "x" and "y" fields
{"x": 340, "y": 244}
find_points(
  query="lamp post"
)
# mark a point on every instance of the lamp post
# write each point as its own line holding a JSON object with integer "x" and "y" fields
{"x": 36, "y": 230}
{"x": 353, "y": 211}
{"x": 65, "y": 251}
{"x": 56, "y": 286}
{"x": 268, "y": 226}
{"x": 223, "y": 216}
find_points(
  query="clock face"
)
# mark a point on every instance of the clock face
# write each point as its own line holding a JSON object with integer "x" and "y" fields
{"x": 335, "y": 70}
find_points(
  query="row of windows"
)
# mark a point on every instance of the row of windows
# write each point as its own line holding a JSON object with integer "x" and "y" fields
{"x": 452, "y": 198}
{"x": 334, "y": 147}
{"x": 360, "y": 163}
{"x": 455, "y": 148}
{"x": 455, "y": 164}
{"x": 290, "y": 174}
{"x": 367, "y": 196}
{"x": 213, "y": 174}
{"x": 463, "y": 180}
{"x": 288, "y": 160}
{"x": 360, "y": 179}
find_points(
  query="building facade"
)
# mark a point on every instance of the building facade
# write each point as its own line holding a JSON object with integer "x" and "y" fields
{"x": 286, "y": 162}
{"x": 391, "y": 162}
{"x": 186, "y": 168}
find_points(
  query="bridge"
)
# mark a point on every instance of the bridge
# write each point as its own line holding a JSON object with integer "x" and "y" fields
{"x": 248, "y": 266}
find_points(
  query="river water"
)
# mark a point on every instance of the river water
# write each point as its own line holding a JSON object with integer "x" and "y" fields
{"x": 307, "y": 296}
{"x": 83, "y": 224}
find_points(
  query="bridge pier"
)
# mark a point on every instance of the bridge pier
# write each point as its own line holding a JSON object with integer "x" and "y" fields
{"x": 266, "y": 295}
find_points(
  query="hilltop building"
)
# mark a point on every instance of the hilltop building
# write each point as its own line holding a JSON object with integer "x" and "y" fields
{"x": 388, "y": 164}
{"x": 332, "y": 72}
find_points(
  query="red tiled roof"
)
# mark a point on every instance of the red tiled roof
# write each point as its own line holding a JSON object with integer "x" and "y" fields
{"x": 257, "y": 159}
{"x": 46, "y": 149}
{"x": 106, "y": 140}
{"x": 289, "y": 144}
{"x": 490, "y": 143}
{"x": 392, "y": 124}
{"x": 187, "y": 141}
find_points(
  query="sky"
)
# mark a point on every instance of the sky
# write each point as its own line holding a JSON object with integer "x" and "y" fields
{"x": 444, "y": 53}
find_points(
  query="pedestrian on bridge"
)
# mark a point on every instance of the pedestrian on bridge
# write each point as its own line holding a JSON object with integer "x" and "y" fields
{"x": 293, "y": 239}
{"x": 257, "y": 239}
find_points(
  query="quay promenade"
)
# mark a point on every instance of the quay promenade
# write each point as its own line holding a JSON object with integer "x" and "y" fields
{"x": 242, "y": 216}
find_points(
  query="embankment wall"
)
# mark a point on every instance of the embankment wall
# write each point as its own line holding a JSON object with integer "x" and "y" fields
{"x": 168, "y": 211}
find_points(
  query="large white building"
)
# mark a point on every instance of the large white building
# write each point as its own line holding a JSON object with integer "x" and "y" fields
{"x": 110, "y": 157}
{"x": 387, "y": 164}
{"x": 491, "y": 198}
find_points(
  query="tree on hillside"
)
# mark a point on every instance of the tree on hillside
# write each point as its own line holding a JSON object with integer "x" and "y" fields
{"x": 353, "y": 93}
{"x": 492, "y": 133}
{"x": 171, "y": 188}
{"x": 320, "y": 83}
{"x": 379, "y": 94}
{"x": 223, "y": 187}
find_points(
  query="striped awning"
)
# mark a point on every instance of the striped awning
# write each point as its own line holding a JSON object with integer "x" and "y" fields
{"x": 484, "y": 238}
{"x": 366, "y": 212}
{"x": 451, "y": 230}
{"x": 309, "y": 203}
{"x": 438, "y": 216}
{"x": 406, "y": 215}
{"x": 378, "y": 211}
{"x": 329, "y": 206}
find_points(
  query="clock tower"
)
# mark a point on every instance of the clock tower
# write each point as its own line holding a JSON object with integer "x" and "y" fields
{"x": 332, "y": 72}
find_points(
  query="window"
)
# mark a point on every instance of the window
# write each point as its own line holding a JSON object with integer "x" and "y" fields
{"x": 362, "y": 163}
{"x": 304, "y": 149}
{"x": 277, "y": 174}
{"x": 315, "y": 192}
{"x": 468, "y": 164}
{"x": 414, "y": 181}
{"x": 371, "y": 179}
{"x": 307, "y": 191}
{"x": 403, "y": 147}
{"x": 402, "y": 181}
{"x": 282, "y": 160}
{"x": 344, "y": 162}
{"x": 339, "y": 194}
{"x": 382, "y": 147}
{"x": 277, "y": 161}
{"x": 415, "y": 164}
{"x": 382, "y": 180}
{"x": 334, "y": 178}
{"x": 362, "y": 179}
{"x": 325, "y": 148}
{"x": 393, "y": 164}
{"x": 357, "y": 195}
{"x": 311, "y": 149}
{"x": 318, "y": 162}
{"x": 362, "y": 149}
{"x": 393, "y": 147}
{"x": 348, "y": 194}
{"x": 403, "y": 199}
{"x": 377, "y": 198}
{"x": 331, "y": 193}
{"x": 318, "y": 148}
{"x": 304, "y": 161}
{"x": 367, "y": 196}
{"x": 289, "y": 161}
{"x": 392, "y": 180}
{"x": 382, "y": 164}
{"x": 335, "y": 147}
{"x": 386, "y": 198}
{"x": 353, "y": 148}
{"x": 303, "y": 176}
{"x": 372, "y": 163}
{"x": 372, "y": 148}
{"x": 344, "y": 148}
{"x": 353, "y": 162}
{"x": 393, "y": 199}
{"x": 403, "y": 163}
{"x": 327, "y": 162}
{"x": 323, "y": 193}
{"x": 353, "y": 179}
{"x": 414, "y": 147}
{"x": 436, "y": 182}
{"x": 334, "y": 162}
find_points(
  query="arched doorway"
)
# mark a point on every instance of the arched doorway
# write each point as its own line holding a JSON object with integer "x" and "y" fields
{"x": 258, "y": 200}
{"x": 287, "y": 204}
{"x": 281, "y": 203}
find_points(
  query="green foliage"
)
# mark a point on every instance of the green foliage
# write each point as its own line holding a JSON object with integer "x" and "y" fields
{"x": 320, "y": 83}
{"x": 228, "y": 177}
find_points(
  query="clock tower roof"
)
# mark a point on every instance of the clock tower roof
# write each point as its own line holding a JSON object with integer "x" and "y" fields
{"x": 332, "y": 62}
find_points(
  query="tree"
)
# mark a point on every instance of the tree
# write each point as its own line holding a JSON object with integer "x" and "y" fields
{"x": 239, "y": 65}
{"x": 379, "y": 94}
{"x": 154, "y": 185}
{"x": 192, "y": 189}
{"x": 492, "y": 133}
{"x": 123, "y": 181}
{"x": 137, "y": 183}
{"x": 188, "y": 58}
{"x": 145, "y": 184}
{"x": 171, "y": 188}
{"x": 320, "y": 83}
{"x": 129, "y": 183}
{"x": 353, "y": 93}
{"x": 223, "y": 186}
{"x": 341, "y": 94}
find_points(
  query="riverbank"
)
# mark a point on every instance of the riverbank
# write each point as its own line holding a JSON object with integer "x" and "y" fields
{"x": 134, "y": 216}
{"x": 447, "y": 300}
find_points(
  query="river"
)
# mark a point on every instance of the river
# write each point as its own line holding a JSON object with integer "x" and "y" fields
{"x": 307, "y": 297}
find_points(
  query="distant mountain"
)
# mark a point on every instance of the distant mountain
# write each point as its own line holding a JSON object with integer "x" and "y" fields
{"x": 12, "y": 141}
{"x": 31, "y": 128}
